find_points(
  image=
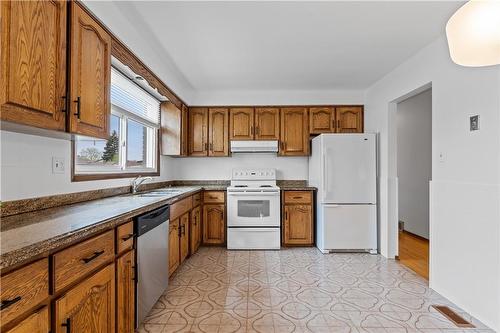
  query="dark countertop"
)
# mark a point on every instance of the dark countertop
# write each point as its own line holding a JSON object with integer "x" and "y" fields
{"x": 28, "y": 236}
{"x": 297, "y": 188}
{"x": 24, "y": 237}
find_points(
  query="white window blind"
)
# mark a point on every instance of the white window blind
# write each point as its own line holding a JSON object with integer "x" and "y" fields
{"x": 131, "y": 98}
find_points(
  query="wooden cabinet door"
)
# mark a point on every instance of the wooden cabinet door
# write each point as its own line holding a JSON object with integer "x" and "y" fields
{"x": 33, "y": 63}
{"x": 195, "y": 229}
{"x": 198, "y": 131}
{"x": 184, "y": 131}
{"x": 294, "y": 132}
{"x": 321, "y": 120}
{"x": 125, "y": 293}
{"x": 170, "y": 129}
{"x": 349, "y": 119}
{"x": 218, "y": 142}
{"x": 241, "y": 124}
{"x": 213, "y": 224}
{"x": 184, "y": 237}
{"x": 298, "y": 225}
{"x": 38, "y": 322}
{"x": 267, "y": 124}
{"x": 90, "y": 75}
{"x": 90, "y": 306}
{"x": 173, "y": 246}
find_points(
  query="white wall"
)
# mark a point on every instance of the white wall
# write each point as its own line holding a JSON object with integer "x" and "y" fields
{"x": 219, "y": 168}
{"x": 26, "y": 164}
{"x": 277, "y": 97}
{"x": 414, "y": 154}
{"x": 465, "y": 190}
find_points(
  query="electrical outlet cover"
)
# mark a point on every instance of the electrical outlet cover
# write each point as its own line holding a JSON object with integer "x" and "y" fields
{"x": 57, "y": 165}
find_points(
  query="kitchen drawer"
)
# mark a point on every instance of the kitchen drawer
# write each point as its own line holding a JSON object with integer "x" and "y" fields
{"x": 213, "y": 197}
{"x": 299, "y": 197}
{"x": 196, "y": 199}
{"x": 124, "y": 237}
{"x": 76, "y": 261}
{"x": 180, "y": 207}
{"x": 24, "y": 289}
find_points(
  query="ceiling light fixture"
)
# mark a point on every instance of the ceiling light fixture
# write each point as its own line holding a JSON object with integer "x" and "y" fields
{"x": 473, "y": 34}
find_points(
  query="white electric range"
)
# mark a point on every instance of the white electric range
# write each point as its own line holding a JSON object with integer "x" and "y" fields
{"x": 253, "y": 210}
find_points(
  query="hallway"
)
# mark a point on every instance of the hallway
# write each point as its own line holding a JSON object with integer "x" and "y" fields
{"x": 414, "y": 253}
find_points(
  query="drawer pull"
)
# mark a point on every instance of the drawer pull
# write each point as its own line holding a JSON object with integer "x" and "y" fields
{"x": 67, "y": 324}
{"x": 92, "y": 257}
{"x": 5, "y": 304}
{"x": 297, "y": 197}
{"x": 126, "y": 238}
{"x": 212, "y": 197}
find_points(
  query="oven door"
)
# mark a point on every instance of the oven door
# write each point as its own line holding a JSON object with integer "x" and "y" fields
{"x": 253, "y": 209}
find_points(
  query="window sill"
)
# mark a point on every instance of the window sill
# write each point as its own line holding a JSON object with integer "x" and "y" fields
{"x": 105, "y": 176}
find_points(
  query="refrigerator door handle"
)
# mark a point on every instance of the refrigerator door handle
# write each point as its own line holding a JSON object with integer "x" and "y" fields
{"x": 324, "y": 178}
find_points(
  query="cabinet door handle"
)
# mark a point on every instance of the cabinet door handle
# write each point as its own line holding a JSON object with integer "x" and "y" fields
{"x": 126, "y": 238}
{"x": 286, "y": 216}
{"x": 212, "y": 147}
{"x": 78, "y": 103}
{"x": 257, "y": 130}
{"x": 64, "y": 108}
{"x": 92, "y": 257}
{"x": 338, "y": 123}
{"x": 8, "y": 302}
{"x": 206, "y": 146}
{"x": 67, "y": 324}
{"x": 251, "y": 130}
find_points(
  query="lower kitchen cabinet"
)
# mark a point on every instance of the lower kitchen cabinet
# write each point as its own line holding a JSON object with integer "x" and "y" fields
{"x": 125, "y": 292}
{"x": 298, "y": 218}
{"x": 213, "y": 223}
{"x": 90, "y": 306}
{"x": 37, "y": 322}
{"x": 195, "y": 229}
{"x": 173, "y": 246}
{"x": 184, "y": 237}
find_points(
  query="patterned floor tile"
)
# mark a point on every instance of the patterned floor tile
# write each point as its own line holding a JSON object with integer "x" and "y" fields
{"x": 298, "y": 290}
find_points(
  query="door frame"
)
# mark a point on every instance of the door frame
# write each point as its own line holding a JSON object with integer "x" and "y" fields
{"x": 392, "y": 186}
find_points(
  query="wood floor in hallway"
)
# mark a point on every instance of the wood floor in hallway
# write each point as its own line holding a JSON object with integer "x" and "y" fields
{"x": 414, "y": 253}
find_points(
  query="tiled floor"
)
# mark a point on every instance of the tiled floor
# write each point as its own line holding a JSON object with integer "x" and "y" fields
{"x": 297, "y": 290}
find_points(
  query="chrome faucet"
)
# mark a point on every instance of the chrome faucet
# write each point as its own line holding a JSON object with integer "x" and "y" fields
{"x": 137, "y": 182}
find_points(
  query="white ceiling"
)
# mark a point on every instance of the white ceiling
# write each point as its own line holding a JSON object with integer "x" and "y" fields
{"x": 282, "y": 45}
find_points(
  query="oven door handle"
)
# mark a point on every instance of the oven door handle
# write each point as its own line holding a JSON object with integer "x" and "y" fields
{"x": 267, "y": 194}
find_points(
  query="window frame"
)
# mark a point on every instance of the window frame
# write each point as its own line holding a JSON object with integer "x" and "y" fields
{"x": 127, "y": 173}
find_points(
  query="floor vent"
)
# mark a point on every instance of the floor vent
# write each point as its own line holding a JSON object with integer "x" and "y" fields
{"x": 454, "y": 317}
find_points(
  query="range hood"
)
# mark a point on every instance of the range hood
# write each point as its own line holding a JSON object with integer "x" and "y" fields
{"x": 254, "y": 146}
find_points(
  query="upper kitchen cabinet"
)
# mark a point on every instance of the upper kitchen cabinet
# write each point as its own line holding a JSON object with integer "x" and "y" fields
{"x": 33, "y": 63}
{"x": 198, "y": 131}
{"x": 294, "y": 132}
{"x": 267, "y": 124}
{"x": 321, "y": 120}
{"x": 218, "y": 142}
{"x": 349, "y": 119}
{"x": 174, "y": 128}
{"x": 241, "y": 124}
{"x": 90, "y": 75}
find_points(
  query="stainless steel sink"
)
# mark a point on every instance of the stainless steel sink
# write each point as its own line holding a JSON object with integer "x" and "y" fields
{"x": 158, "y": 193}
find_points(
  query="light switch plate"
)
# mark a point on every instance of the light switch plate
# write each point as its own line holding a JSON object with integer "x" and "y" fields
{"x": 57, "y": 165}
{"x": 474, "y": 123}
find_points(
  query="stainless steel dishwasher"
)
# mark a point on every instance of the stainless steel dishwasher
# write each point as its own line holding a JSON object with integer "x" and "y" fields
{"x": 152, "y": 259}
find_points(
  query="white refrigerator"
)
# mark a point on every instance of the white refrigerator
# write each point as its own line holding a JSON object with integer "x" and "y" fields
{"x": 344, "y": 169}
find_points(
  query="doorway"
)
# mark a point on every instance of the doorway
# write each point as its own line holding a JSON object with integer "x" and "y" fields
{"x": 414, "y": 173}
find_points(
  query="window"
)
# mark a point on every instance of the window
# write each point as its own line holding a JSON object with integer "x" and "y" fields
{"x": 133, "y": 134}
